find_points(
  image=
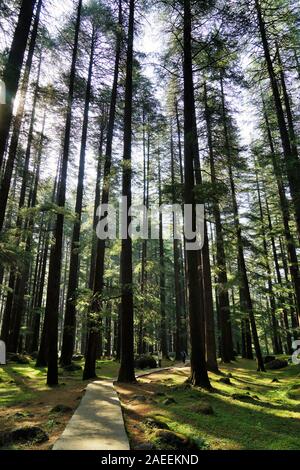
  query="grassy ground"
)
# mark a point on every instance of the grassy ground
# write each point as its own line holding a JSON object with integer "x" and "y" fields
{"x": 25, "y": 400}
{"x": 266, "y": 416}
{"x": 268, "y": 419}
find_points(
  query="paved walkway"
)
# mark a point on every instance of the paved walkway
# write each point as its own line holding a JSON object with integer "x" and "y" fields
{"x": 98, "y": 423}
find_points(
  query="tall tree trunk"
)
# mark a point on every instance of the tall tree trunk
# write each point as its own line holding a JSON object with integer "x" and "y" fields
{"x": 199, "y": 374}
{"x": 39, "y": 297}
{"x": 14, "y": 315}
{"x": 177, "y": 249}
{"x": 274, "y": 323}
{"x": 284, "y": 205}
{"x": 279, "y": 280}
{"x": 223, "y": 296}
{"x": 146, "y": 162}
{"x": 53, "y": 288}
{"x": 22, "y": 282}
{"x": 162, "y": 277}
{"x": 70, "y": 314}
{"x": 244, "y": 288}
{"x": 41, "y": 360}
{"x": 97, "y": 201}
{"x": 12, "y": 71}
{"x": 126, "y": 372}
{"x": 93, "y": 323}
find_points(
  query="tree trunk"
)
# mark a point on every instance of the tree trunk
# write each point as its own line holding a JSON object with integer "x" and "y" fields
{"x": 53, "y": 289}
{"x": 6, "y": 181}
{"x": 179, "y": 292}
{"x": 70, "y": 314}
{"x": 275, "y": 333}
{"x": 12, "y": 71}
{"x": 292, "y": 162}
{"x": 126, "y": 372}
{"x": 244, "y": 288}
{"x": 199, "y": 374}
{"x": 162, "y": 278}
{"x": 223, "y": 296}
{"x": 93, "y": 328}
{"x": 284, "y": 205}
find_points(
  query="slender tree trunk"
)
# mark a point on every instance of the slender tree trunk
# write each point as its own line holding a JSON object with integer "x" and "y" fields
{"x": 183, "y": 258}
{"x": 292, "y": 162}
{"x": 19, "y": 304}
{"x": 146, "y": 161}
{"x": 70, "y": 314}
{"x": 93, "y": 323}
{"x": 284, "y": 205}
{"x": 244, "y": 288}
{"x": 199, "y": 374}
{"x": 53, "y": 289}
{"x": 97, "y": 202}
{"x": 162, "y": 277}
{"x": 39, "y": 297}
{"x": 279, "y": 280}
{"x": 275, "y": 334}
{"x": 41, "y": 360}
{"x": 179, "y": 347}
{"x": 223, "y": 297}
{"x": 126, "y": 372}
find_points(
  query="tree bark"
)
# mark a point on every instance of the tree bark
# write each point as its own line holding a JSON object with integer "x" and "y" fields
{"x": 12, "y": 71}
{"x": 93, "y": 327}
{"x": 70, "y": 313}
{"x": 126, "y": 372}
{"x": 6, "y": 180}
{"x": 244, "y": 288}
{"x": 292, "y": 162}
{"x": 53, "y": 288}
{"x": 199, "y": 374}
{"x": 222, "y": 290}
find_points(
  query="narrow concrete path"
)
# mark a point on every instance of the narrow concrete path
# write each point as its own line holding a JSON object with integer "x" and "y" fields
{"x": 98, "y": 423}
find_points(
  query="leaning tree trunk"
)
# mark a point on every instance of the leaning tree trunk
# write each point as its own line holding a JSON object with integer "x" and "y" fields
{"x": 12, "y": 71}
{"x": 12, "y": 152}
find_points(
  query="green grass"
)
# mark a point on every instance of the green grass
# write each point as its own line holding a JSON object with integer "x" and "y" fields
{"x": 270, "y": 421}
{"x": 25, "y": 383}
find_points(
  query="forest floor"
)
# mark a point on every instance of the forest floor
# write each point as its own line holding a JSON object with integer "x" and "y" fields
{"x": 25, "y": 400}
{"x": 251, "y": 412}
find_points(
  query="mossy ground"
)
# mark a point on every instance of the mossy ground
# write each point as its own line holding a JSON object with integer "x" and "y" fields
{"x": 269, "y": 418}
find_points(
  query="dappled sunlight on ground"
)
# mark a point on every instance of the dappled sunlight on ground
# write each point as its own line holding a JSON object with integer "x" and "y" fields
{"x": 262, "y": 416}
